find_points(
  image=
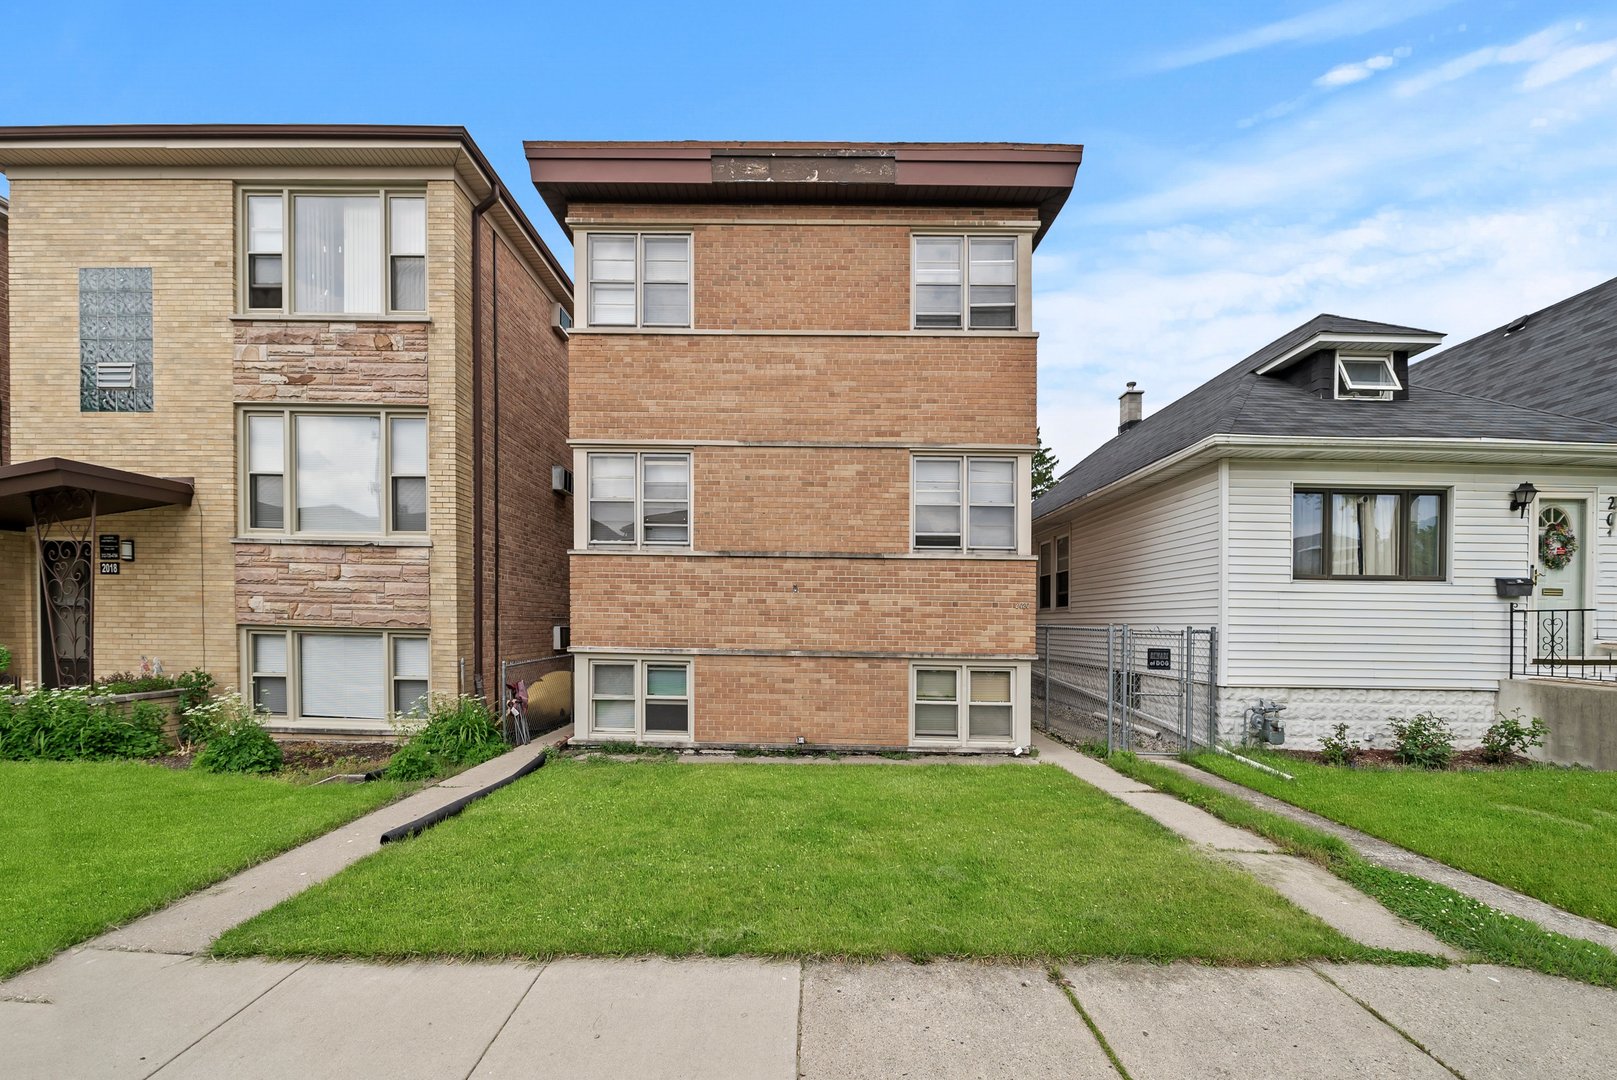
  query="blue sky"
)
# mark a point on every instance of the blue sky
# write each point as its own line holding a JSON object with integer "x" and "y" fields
{"x": 1444, "y": 163}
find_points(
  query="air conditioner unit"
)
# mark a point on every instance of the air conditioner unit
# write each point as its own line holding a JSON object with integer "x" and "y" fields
{"x": 561, "y": 480}
{"x": 561, "y": 637}
{"x": 561, "y": 318}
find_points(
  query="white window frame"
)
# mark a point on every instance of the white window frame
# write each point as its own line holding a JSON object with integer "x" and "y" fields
{"x": 965, "y": 325}
{"x": 294, "y": 677}
{"x": 585, "y": 705}
{"x": 385, "y": 197}
{"x": 963, "y": 682}
{"x": 639, "y": 237}
{"x": 640, "y": 543}
{"x": 289, "y": 502}
{"x": 966, "y": 545}
{"x": 1058, "y": 601}
{"x": 1047, "y": 551}
{"x": 1347, "y": 390}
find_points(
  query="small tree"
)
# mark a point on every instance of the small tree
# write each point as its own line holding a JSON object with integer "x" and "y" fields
{"x": 1044, "y": 467}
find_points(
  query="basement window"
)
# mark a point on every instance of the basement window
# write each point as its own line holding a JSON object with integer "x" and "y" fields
{"x": 1366, "y": 378}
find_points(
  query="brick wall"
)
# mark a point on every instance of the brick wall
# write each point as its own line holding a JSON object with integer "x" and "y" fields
{"x": 175, "y": 603}
{"x": 527, "y": 526}
{"x": 347, "y": 586}
{"x": 772, "y": 700}
{"x": 792, "y": 499}
{"x": 5, "y": 341}
{"x": 912, "y": 390}
{"x": 980, "y": 607}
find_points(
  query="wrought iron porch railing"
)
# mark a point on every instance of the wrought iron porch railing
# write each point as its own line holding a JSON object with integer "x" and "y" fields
{"x": 1561, "y": 643}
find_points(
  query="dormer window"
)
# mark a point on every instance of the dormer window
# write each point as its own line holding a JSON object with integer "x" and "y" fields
{"x": 1366, "y": 378}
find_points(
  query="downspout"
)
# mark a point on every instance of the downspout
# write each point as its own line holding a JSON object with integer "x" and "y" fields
{"x": 477, "y": 436}
{"x": 494, "y": 347}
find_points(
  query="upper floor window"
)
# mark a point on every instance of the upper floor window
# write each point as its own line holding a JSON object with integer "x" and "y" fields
{"x": 1368, "y": 534}
{"x": 639, "y": 498}
{"x": 344, "y": 253}
{"x": 964, "y": 503}
{"x": 639, "y": 279}
{"x": 335, "y": 473}
{"x": 964, "y": 282}
{"x": 1367, "y": 378}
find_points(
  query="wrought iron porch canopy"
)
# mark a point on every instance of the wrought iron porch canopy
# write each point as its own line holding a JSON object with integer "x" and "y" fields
{"x": 115, "y": 491}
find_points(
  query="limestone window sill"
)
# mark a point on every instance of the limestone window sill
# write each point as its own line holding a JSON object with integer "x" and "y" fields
{"x": 350, "y": 320}
{"x": 334, "y": 541}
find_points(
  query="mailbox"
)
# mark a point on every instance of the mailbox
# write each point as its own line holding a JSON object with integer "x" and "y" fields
{"x": 1513, "y": 588}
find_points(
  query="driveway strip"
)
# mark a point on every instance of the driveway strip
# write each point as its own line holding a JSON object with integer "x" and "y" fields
{"x": 1311, "y": 888}
{"x": 1393, "y": 857}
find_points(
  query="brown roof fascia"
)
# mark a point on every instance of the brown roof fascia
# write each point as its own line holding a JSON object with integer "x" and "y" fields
{"x": 922, "y": 171}
{"x": 290, "y": 132}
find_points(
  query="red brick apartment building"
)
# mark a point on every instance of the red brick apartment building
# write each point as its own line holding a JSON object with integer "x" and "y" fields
{"x": 802, "y": 412}
{"x": 284, "y": 404}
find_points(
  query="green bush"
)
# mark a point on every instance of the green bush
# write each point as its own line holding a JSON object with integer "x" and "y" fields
{"x": 412, "y": 761}
{"x": 127, "y": 682}
{"x": 236, "y": 740}
{"x": 1337, "y": 749}
{"x": 195, "y": 686}
{"x": 459, "y": 732}
{"x": 1422, "y": 740}
{"x": 62, "y": 725}
{"x": 5, "y": 659}
{"x": 1509, "y": 737}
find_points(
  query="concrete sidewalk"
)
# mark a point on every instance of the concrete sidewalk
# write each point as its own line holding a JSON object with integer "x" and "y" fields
{"x": 192, "y": 924}
{"x": 94, "y": 1014}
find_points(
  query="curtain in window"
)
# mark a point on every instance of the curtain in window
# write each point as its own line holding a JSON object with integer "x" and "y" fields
{"x": 339, "y": 487}
{"x": 339, "y": 253}
{"x": 342, "y": 675}
{"x": 1364, "y": 535}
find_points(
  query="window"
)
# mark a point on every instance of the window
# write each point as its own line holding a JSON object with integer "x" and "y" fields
{"x": 331, "y": 675}
{"x": 358, "y": 252}
{"x": 639, "y": 279}
{"x": 976, "y": 494}
{"x": 1368, "y": 534}
{"x": 310, "y": 472}
{"x": 1046, "y": 574}
{"x": 940, "y": 691}
{"x": 640, "y": 499}
{"x": 1063, "y": 575}
{"x": 649, "y": 698}
{"x": 1366, "y": 378}
{"x": 115, "y": 339}
{"x": 964, "y": 281}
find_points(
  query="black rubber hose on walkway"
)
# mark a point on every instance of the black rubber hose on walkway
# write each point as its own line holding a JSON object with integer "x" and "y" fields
{"x": 449, "y": 810}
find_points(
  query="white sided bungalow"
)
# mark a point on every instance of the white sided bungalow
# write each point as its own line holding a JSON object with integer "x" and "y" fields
{"x": 1356, "y": 538}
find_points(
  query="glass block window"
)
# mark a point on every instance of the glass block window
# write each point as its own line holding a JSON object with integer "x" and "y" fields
{"x": 115, "y": 339}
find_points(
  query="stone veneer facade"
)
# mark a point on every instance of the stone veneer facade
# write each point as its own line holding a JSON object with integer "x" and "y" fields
{"x": 198, "y": 582}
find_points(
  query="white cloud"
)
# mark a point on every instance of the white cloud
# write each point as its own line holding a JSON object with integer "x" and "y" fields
{"x": 1477, "y": 205}
{"x": 1346, "y": 74}
{"x": 1551, "y": 63}
{"x": 1348, "y": 18}
{"x": 1567, "y": 63}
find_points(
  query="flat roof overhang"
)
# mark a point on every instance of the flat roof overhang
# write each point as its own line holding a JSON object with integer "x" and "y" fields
{"x": 116, "y": 491}
{"x": 1037, "y": 175}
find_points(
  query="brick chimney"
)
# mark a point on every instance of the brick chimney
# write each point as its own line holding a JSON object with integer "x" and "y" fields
{"x": 1131, "y": 408}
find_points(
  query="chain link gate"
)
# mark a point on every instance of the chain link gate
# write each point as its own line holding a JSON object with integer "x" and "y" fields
{"x": 1149, "y": 689}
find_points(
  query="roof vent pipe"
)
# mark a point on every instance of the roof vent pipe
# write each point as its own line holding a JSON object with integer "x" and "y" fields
{"x": 1131, "y": 408}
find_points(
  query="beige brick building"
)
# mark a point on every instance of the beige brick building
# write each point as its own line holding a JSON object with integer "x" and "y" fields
{"x": 802, "y": 417}
{"x": 315, "y": 379}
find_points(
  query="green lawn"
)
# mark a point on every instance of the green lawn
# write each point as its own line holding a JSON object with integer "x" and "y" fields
{"x": 655, "y": 857}
{"x": 89, "y": 845}
{"x": 1548, "y": 832}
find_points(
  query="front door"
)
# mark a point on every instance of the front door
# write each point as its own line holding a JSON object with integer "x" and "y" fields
{"x": 1560, "y": 559}
{"x": 64, "y": 613}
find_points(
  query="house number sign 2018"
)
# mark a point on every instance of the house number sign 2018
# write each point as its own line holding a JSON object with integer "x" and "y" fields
{"x": 110, "y": 559}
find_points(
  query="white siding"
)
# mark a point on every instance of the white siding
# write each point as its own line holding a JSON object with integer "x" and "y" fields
{"x": 1147, "y": 559}
{"x": 1448, "y": 635}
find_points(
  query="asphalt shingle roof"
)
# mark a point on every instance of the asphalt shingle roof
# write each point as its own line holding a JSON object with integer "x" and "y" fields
{"x": 1240, "y": 402}
{"x": 1563, "y": 359}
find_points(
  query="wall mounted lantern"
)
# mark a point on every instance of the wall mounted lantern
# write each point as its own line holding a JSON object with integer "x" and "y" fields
{"x": 1523, "y": 496}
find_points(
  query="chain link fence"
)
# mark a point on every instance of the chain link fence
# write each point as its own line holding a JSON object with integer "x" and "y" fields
{"x": 1149, "y": 689}
{"x": 542, "y": 690}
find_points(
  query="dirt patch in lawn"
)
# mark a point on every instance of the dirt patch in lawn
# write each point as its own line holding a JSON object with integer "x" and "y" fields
{"x": 311, "y": 757}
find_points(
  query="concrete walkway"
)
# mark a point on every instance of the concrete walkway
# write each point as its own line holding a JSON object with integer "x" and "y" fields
{"x": 1394, "y": 857}
{"x": 95, "y": 1014}
{"x": 1308, "y": 885}
{"x": 192, "y": 924}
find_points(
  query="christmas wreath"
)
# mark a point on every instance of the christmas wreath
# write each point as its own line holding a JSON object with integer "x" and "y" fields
{"x": 1556, "y": 545}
